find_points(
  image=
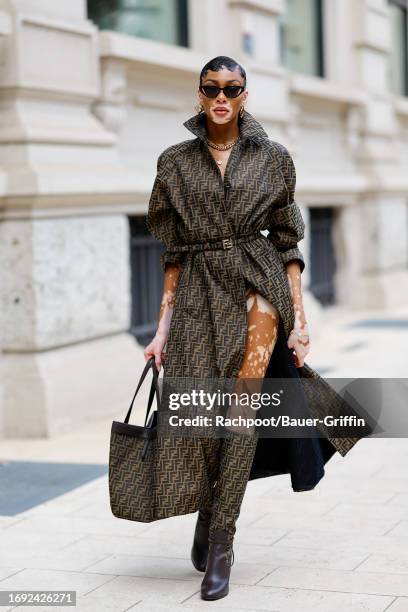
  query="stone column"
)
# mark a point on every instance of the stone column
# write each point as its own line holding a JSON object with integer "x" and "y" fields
{"x": 382, "y": 209}
{"x": 64, "y": 240}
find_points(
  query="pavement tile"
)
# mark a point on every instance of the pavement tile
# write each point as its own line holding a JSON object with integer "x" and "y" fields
{"x": 297, "y": 506}
{"x": 302, "y": 538}
{"x": 337, "y": 525}
{"x": 9, "y": 571}
{"x": 399, "y": 605}
{"x": 17, "y": 546}
{"x": 336, "y": 580}
{"x": 400, "y": 530}
{"x": 7, "y": 521}
{"x": 301, "y": 557}
{"x": 77, "y": 526}
{"x": 376, "y": 511}
{"x": 146, "y": 606}
{"x": 399, "y": 499}
{"x": 85, "y": 604}
{"x": 65, "y": 559}
{"x": 295, "y": 600}
{"x": 173, "y": 569}
{"x": 153, "y": 547}
{"x": 397, "y": 563}
{"x": 251, "y": 536}
{"x": 39, "y": 579}
{"x": 163, "y": 591}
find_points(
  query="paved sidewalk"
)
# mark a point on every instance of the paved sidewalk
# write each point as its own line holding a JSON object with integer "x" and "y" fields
{"x": 343, "y": 546}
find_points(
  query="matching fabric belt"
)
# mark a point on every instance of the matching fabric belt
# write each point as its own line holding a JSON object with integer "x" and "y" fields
{"x": 224, "y": 243}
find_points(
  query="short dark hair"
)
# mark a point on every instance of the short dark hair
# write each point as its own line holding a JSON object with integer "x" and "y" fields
{"x": 222, "y": 61}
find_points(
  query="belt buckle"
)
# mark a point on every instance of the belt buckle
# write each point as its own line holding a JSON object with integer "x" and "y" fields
{"x": 227, "y": 243}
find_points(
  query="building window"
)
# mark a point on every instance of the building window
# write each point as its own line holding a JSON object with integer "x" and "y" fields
{"x": 398, "y": 66}
{"x": 322, "y": 255}
{"x": 146, "y": 280}
{"x": 301, "y": 36}
{"x": 162, "y": 20}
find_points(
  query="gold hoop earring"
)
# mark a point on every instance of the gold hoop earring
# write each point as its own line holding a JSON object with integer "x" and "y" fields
{"x": 199, "y": 108}
{"x": 241, "y": 111}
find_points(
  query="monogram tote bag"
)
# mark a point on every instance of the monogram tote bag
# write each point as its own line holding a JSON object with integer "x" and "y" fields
{"x": 152, "y": 476}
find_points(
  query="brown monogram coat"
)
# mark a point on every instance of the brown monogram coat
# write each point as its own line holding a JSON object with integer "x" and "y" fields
{"x": 192, "y": 203}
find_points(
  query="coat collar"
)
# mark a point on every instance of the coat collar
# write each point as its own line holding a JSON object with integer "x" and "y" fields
{"x": 249, "y": 127}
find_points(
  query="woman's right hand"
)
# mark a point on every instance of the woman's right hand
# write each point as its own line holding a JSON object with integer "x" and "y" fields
{"x": 155, "y": 349}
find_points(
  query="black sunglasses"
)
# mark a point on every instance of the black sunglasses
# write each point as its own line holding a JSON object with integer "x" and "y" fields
{"x": 230, "y": 91}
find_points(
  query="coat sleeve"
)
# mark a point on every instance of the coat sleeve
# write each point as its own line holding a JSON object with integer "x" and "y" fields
{"x": 162, "y": 218}
{"x": 286, "y": 225}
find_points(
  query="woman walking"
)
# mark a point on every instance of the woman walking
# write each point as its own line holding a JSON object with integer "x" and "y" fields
{"x": 231, "y": 295}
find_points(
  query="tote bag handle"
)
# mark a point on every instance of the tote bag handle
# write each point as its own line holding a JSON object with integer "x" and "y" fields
{"x": 154, "y": 388}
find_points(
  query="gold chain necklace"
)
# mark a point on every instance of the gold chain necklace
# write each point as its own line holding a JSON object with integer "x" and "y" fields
{"x": 221, "y": 147}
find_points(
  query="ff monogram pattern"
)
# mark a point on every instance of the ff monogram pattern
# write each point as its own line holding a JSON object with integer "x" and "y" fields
{"x": 175, "y": 478}
{"x": 192, "y": 203}
{"x": 228, "y": 462}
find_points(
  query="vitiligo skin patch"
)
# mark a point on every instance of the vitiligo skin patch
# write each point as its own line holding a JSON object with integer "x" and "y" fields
{"x": 299, "y": 337}
{"x": 263, "y": 320}
{"x": 171, "y": 278}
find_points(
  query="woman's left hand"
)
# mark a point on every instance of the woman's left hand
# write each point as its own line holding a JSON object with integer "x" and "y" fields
{"x": 299, "y": 341}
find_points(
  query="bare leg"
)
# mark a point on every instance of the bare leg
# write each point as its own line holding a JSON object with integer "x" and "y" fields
{"x": 263, "y": 320}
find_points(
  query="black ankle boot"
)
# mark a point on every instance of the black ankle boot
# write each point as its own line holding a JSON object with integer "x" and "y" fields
{"x": 215, "y": 583}
{"x": 199, "y": 550}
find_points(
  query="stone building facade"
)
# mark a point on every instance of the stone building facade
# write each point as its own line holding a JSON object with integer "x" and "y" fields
{"x": 87, "y": 106}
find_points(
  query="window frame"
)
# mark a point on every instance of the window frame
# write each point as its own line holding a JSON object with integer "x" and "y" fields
{"x": 181, "y": 17}
{"x": 403, "y": 4}
{"x": 319, "y": 45}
